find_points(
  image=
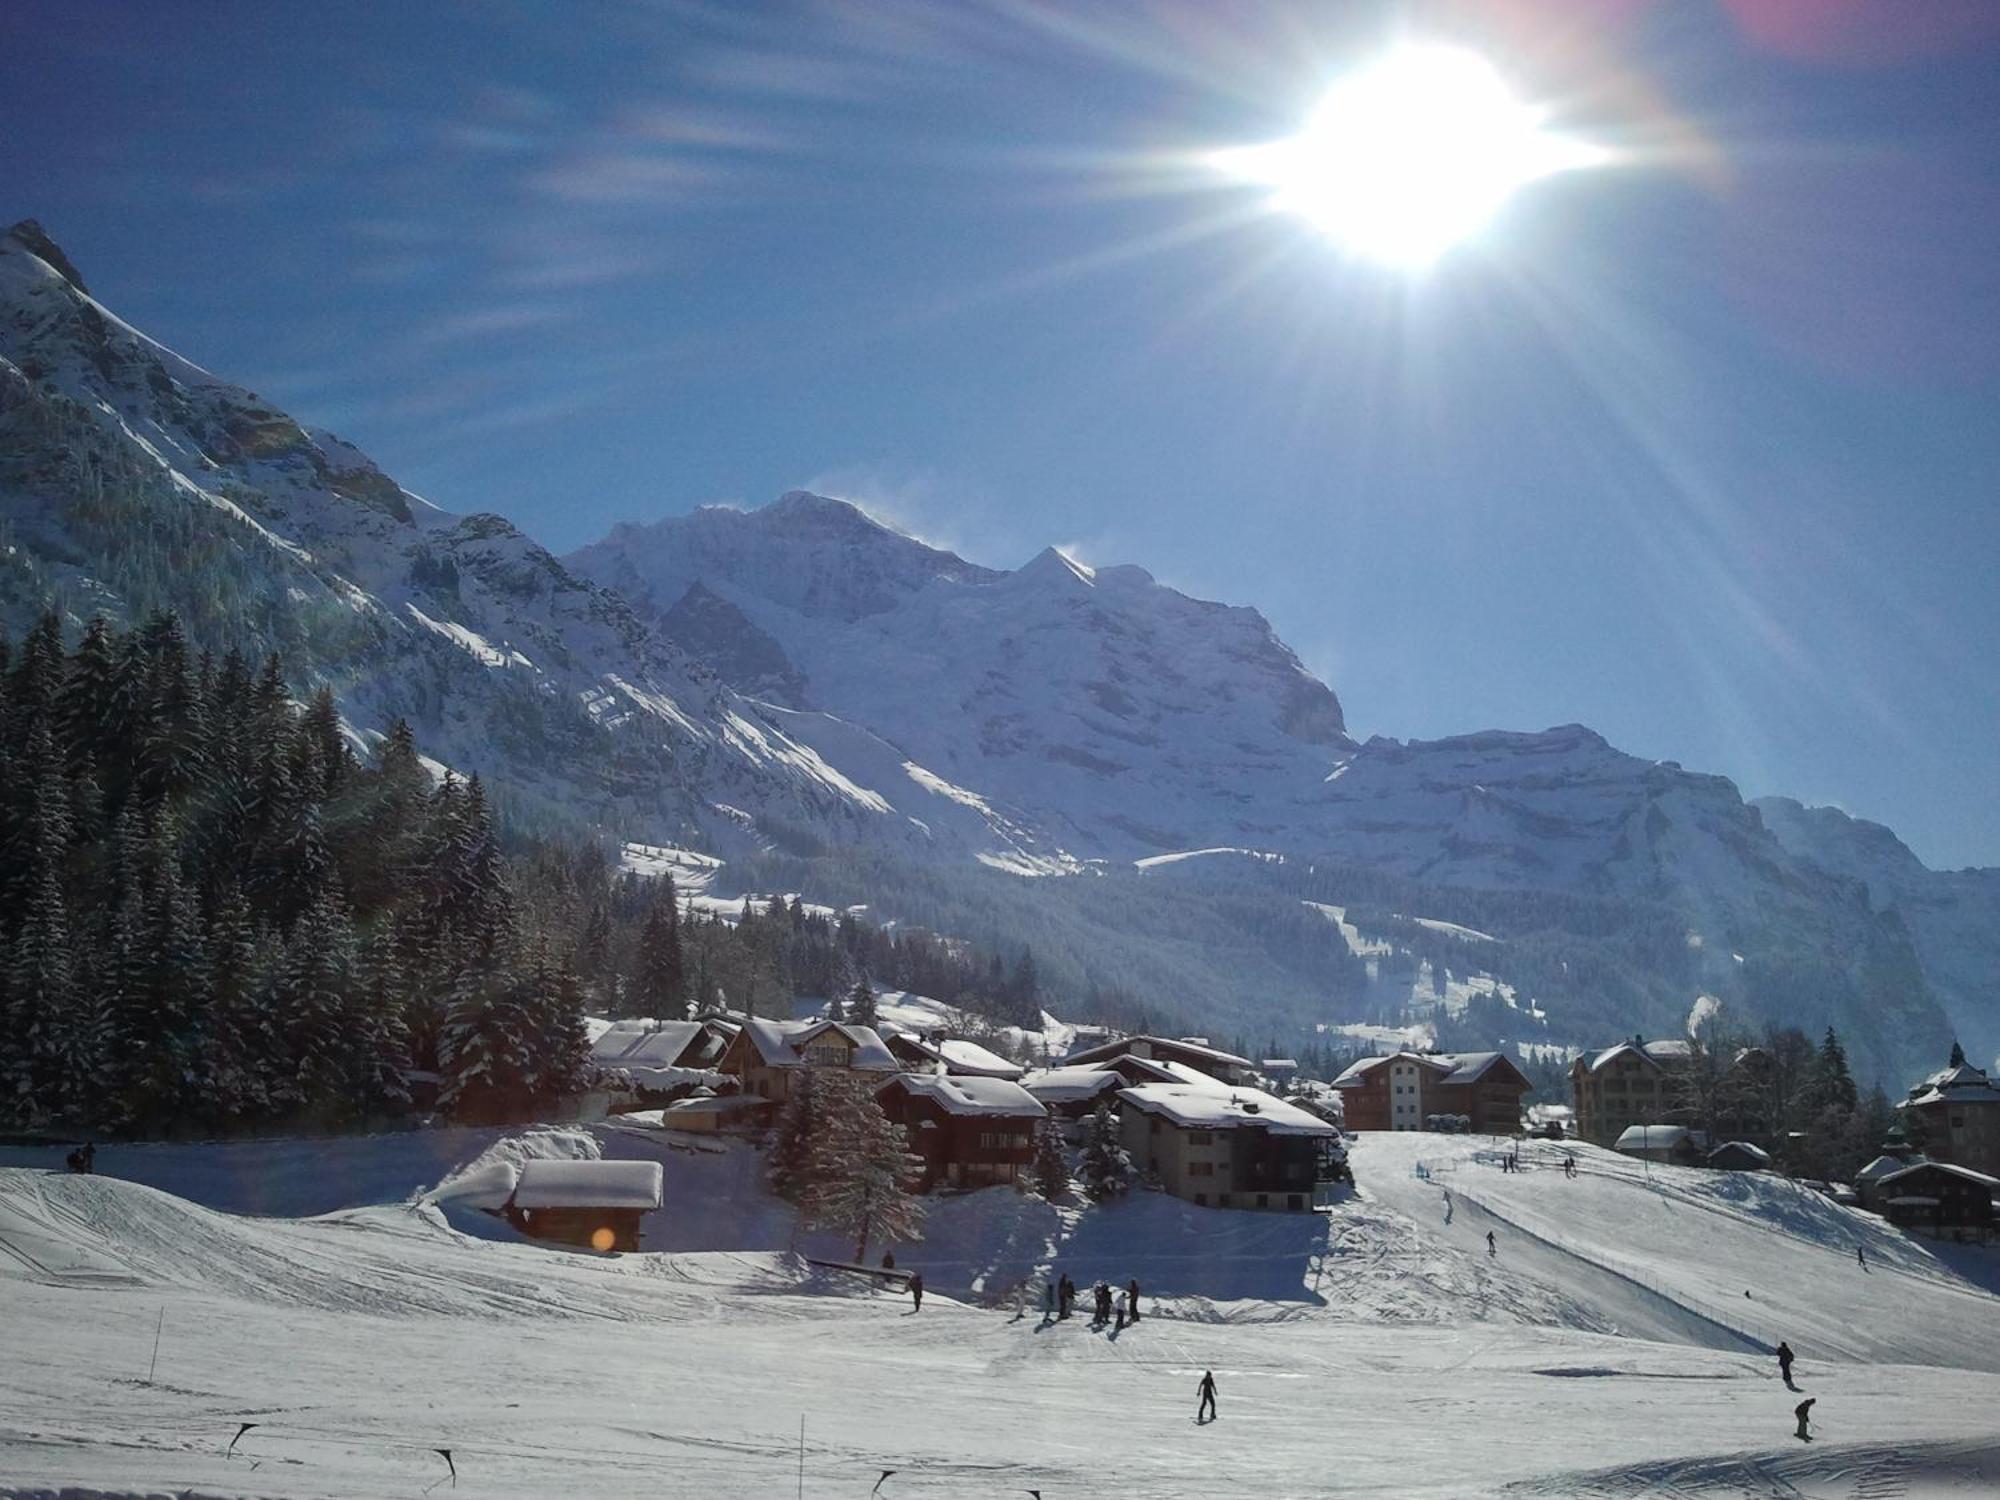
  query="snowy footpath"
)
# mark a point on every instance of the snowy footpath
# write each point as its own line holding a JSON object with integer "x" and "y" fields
{"x": 1377, "y": 1350}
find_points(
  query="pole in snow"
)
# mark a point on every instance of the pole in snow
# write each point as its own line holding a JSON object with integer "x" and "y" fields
{"x": 239, "y": 1437}
{"x": 878, "y": 1483}
{"x": 158, "y": 1328}
{"x": 445, "y": 1454}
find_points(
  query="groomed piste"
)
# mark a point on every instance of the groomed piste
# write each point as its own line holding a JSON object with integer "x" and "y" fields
{"x": 1604, "y": 1348}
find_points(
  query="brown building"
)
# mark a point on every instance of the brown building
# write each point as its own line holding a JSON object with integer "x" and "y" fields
{"x": 950, "y": 1054}
{"x": 594, "y": 1204}
{"x": 765, "y": 1056}
{"x": 969, "y": 1131}
{"x": 1410, "y": 1090}
{"x": 1939, "y": 1199}
{"x": 1225, "y": 1147}
{"x": 1956, "y": 1114}
{"x": 1633, "y": 1083}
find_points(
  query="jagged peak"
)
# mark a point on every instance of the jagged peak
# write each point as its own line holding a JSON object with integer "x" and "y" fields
{"x": 30, "y": 236}
{"x": 1056, "y": 566}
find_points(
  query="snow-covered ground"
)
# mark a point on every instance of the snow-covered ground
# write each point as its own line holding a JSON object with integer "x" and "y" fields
{"x": 1376, "y": 1350}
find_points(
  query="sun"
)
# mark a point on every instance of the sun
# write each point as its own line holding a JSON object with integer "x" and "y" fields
{"x": 1410, "y": 155}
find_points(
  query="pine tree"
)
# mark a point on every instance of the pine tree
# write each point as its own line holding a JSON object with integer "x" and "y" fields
{"x": 860, "y": 1171}
{"x": 861, "y": 1008}
{"x": 1051, "y": 1169}
{"x": 1107, "y": 1168}
{"x": 317, "y": 998}
{"x": 659, "y": 987}
{"x": 799, "y": 1124}
{"x": 60, "y": 1046}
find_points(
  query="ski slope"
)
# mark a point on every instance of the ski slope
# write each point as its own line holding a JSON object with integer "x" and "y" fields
{"x": 1373, "y": 1351}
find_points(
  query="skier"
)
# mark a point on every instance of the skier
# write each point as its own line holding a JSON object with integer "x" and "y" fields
{"x": 89, "y": 1157}
{"x": 1860, "y": 1257}
{"x": 1803, "y": 1411}
{"x": 1206, "y": 1390}
{"x": 1490, "y": 1250}
{"x": 1064, "y": 1292}
{"x": 1132, "y": 1291}
{"x": 1048, "y": 1299}
{"x": 1118, "y": 1314}
{"x": 917, "y": 1290}
{"x": 1569, "y": 1167}
{"x": 1785, "y": 1362}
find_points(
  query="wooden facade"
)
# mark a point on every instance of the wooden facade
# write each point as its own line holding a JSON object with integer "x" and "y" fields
{"x": 969, "y": 1132}
{"x": 1406, "y": 1090}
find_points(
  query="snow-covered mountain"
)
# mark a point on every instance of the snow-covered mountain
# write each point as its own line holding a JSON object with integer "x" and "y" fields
{"x": 801, "y": 678}
{"x": 131, "y": 478}
{"x": 1953, "y": 915}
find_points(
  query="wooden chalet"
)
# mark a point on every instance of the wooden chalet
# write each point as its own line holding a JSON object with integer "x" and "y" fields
{"x": 1411, "y": 1090}
{"x": 765, "y": 1056}
{"x": 1939, "y": 1199}
{"x": 968, "y": 1131}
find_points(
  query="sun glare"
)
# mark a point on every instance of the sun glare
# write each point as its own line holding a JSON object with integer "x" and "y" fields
{"x": 1410, "y": 155}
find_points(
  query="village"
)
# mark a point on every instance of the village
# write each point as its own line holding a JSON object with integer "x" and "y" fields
{"x": 1214, "y": 1129}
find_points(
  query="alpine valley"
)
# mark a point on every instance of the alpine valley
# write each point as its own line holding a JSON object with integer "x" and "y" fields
{"x": 1148, "y": 789}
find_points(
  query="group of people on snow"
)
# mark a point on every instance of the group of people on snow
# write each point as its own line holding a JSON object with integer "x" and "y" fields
{"x": 83, "y": 1158}
{"x": 1108, "y": 1304}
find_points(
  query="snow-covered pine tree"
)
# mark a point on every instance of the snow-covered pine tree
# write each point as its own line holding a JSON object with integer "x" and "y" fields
{"x": 59, "y": 1048}
{"x": 789, "y": 1158}
{"x": 860, "y": 1171}
{"x": 1051, "y": 1168}
{"x": 317, "y": 993}
{"x": 1107, "y": 1167}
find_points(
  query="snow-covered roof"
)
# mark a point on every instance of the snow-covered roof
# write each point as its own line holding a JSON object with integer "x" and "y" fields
{"x": 1223, "y": 1109}
{"x": 1456, "y": 1067}
{"x": 588, "y": 1184}
{"x": 781, "y": 1044}
{"x": 1978, "y": 1178}
{"x": 1149, "y": 1046}
{"x": 1672, "y": 1050}
{"x": 1882, "y": 1166}
{"x": 713, "y": 1104}
{"x": 959, "y": 1055}
{"x": 971, "y": 1095}
{"x": 653, "y": 1044}
{"x": 1658, "y": 1138}
{"x": 1959, "y": 1084}
{"x": 1743, "y": 1148}
{"x": 1067, "y": 1085}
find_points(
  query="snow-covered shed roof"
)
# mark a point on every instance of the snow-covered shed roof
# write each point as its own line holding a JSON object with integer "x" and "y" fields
{"x": 781, "y": 1044}
{"x": 1223, "y": 1109}
{"x": 711, "y": 1104}
{"x": 1743, "y": 1150}
{"x": 588, "y": 1184}
{"x": 1658, "y": 1138}
{"x": 1067, "y": 1085}
{"x": 970, "y": 1095}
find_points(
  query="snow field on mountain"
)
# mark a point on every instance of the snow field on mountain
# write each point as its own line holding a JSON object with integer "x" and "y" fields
{"x": 362, "y": 1341}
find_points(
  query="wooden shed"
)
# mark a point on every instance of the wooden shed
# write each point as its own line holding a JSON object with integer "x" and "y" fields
{"x": 594, "y": 1204}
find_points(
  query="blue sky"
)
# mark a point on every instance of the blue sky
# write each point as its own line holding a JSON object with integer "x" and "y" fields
{"x": 1697, "y": 449}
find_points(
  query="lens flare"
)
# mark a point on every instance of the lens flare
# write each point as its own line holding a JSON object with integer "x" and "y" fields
{"x": 1409, "y": 156}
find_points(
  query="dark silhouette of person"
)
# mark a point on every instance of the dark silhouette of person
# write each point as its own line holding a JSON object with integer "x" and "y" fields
{"x": 1206, "y": 1390}
{"x": 1803, "y": 1411}
{"x": 1490, "y": 1248}
{"x": 888, "y": 1260}
{"x": 917, "y": 1291}
{"x": 1132, "y": 1292}
{"x": 1860, "y": 1257}
{"x": 1785, "y": 1363}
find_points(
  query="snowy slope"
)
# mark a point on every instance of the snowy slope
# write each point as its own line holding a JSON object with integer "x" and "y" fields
{"x": 363, "y": 1340}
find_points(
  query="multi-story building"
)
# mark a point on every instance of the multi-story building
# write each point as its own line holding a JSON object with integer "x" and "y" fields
{"x": 1633, "y": 1083}
{"x": 1225, "y": 1147}
{"x": 1957, "y": 1115}
{"x": 969, "y": 1131}
{"x": 767, "y": 1055}
{"x": 1411, "y": 1090}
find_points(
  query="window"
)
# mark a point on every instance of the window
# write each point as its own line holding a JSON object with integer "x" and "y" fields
{"x": 1201, "y": 1169}
{"x": 1295, "y": 1202}
{"x": 1263, "y": 1200}
{"x": 1200, "y": 1137}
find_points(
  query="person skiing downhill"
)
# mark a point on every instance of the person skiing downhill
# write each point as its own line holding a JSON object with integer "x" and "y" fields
{"x": 1860, "y": 1257}
{"x": 1206, "y": 1390}
{"x": 1785, "y": 1362}
{"x": 1803, "y": 1411}
{"x": 1490, "y": 1248}
{"x": 917, "y": 1290}
{"x": 1048, "y": 1299}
